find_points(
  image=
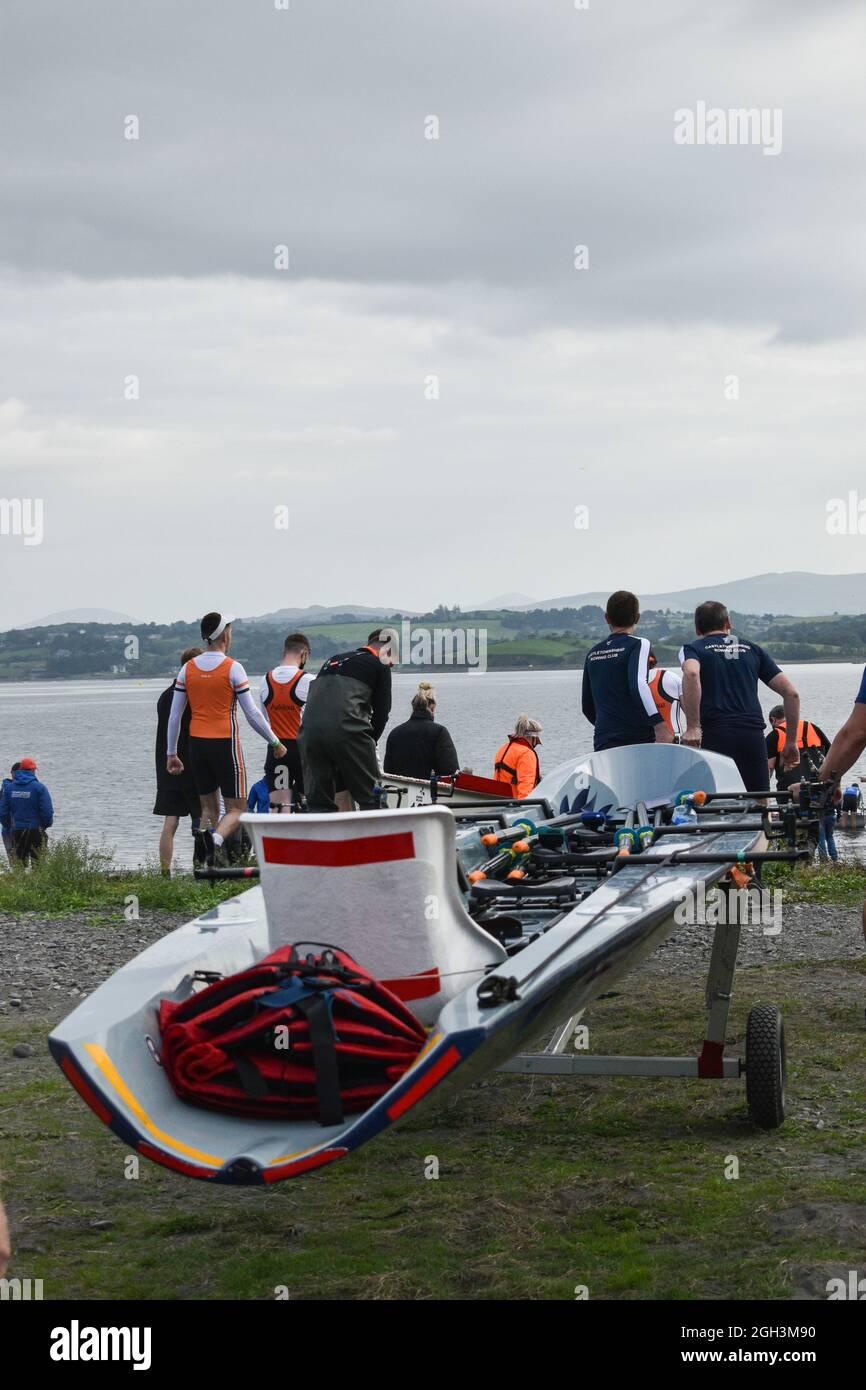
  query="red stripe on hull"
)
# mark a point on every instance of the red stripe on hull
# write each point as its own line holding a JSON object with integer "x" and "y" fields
{"x": 179, "y": 1165}
{"x": 433, "y": 1074}
{"x": 302, "y": 1165}
{"x": 339, "y": 854}
{"x": 75, "y": 1079}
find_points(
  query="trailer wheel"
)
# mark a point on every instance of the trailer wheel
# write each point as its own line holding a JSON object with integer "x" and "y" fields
{"x": 765, "y": 1066}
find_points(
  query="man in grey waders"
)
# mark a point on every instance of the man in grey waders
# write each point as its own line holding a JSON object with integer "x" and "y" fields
{"x": 344, "y": 717}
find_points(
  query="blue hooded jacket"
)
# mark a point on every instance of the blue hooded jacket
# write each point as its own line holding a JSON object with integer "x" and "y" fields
{"x": 25, "y": 803}
{"x": 259, "y": 797}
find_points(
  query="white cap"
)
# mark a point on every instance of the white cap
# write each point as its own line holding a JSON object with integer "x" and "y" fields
{"x": 225, "y": 619}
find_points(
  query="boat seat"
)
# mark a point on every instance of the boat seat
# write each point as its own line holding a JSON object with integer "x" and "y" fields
{"x": 381, "y": 885}
{"x": 551, "y": 888}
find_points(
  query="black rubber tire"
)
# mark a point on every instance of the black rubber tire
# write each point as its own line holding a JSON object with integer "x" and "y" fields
{"x": 765, "y": 1066}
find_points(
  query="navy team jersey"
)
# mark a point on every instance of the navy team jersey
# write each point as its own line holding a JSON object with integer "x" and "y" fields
{"x": 861, "y": 693}
{"x": 730, "y": 670}
{"x": 616, "y": 697}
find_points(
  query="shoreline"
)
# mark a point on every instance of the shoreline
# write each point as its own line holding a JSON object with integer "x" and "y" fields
{"x": 407, "y": 670}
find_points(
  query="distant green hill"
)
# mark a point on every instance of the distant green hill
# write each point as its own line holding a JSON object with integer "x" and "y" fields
{"x": 541, "y": 639}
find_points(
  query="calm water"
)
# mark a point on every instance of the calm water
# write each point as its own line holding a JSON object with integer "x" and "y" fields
{"x": 94, "y": 740}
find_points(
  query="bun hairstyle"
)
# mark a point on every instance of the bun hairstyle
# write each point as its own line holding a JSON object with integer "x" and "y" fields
{"x": 424, "y": 697}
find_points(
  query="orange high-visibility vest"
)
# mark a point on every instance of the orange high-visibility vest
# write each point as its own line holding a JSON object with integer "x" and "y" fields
{"x": 521, "y": 770}
{"x": 811, "y": 738}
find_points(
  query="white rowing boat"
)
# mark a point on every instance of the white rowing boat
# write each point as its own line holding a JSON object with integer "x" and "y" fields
{"x": 486, "y": 962}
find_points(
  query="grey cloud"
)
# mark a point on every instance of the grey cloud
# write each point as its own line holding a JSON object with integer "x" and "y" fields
{"x": 306, "y": 128}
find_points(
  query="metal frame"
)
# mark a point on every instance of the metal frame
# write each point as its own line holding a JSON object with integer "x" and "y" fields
{"x": 710, "y": 1063}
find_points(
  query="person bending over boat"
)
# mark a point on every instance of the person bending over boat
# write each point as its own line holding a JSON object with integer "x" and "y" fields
{"x": 213, "y": 685}
{"x": 516, "y": 762}
{"x": 421, "y": 747}
{"x": 344, "y": 718}
{"x": 283, "y": 694}
{"x": 176, "y": 795}
{"x": 616, "y": 695}
{"x": 720, "y": 697}
{"x": 852, "y": 800}
{"x": 666, "y": 688}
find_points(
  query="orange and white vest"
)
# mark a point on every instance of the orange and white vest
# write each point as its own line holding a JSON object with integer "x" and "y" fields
{"x": 212, "y": 700}
{"x": 283, "y": 707}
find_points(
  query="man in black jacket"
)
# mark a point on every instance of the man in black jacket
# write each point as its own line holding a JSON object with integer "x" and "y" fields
{"x": 345, "y": 715}
{"x": 176, "y": 795}
{"x": 421, "y": 747}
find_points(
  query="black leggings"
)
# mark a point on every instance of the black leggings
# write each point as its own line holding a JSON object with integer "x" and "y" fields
{"x": 748, "y": 748}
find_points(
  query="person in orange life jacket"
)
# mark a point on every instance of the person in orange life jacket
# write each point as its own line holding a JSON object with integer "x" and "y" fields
{"x": 176, "y": 796}
{"x": 812, "y": 742}
{"x": 516, "y": 762}
{"x": 214, "y": 686}
{"x": 615, "y": 694}
{"x": 283, "y": 695}
{"x": 720, "y": 697}
{"x": 666, "y": 688}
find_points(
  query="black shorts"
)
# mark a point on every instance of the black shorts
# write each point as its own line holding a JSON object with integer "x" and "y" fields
{"x": 849, "y": 801}
{"x": 217, "y": 764}
{"x": 747, "y": 747}
{"x": 293, "y": 777}
{"x": 177, "y": 801}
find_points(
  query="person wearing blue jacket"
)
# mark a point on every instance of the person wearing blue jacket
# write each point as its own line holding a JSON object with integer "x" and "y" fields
{"x": 26, "y": 811}
{"x": 259, "y": 799}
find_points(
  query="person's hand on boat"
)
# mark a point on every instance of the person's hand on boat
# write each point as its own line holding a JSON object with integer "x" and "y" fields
{"x": 790, "y": 755}
{"x": 664, "y": 734}
{"x": 174, "y": 764}
{"x": 692, "y": 736}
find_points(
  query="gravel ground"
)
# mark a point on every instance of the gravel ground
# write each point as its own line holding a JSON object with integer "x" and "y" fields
{"x": 47, "y": 965}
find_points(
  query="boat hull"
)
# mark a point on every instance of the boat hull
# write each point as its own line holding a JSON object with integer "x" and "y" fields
{"x": 109, "y": 1047}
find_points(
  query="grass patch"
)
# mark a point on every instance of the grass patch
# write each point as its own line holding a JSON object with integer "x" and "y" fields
{"x": 72, "y": 876}
{"x": 543, "y": 1184}
{"x": 841, "y": 884}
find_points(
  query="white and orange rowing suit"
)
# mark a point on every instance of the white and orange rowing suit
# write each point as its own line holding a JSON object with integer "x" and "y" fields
{"x": 214, "y": 685}
{"x": 283, "y": 694}
{"x": 666, "y": 688}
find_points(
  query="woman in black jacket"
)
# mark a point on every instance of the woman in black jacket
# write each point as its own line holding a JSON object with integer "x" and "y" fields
{"x": 421, "y": 747}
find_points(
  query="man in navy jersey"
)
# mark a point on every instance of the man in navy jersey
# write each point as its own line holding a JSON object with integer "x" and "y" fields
{"x": 616, "y": 696}
{"x": 720, "y": 697}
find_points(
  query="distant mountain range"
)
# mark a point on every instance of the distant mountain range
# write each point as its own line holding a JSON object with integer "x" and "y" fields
{"x": 794, "y": 593}
{"x": 317, "y": 614}
{"x": 77, "y": 615}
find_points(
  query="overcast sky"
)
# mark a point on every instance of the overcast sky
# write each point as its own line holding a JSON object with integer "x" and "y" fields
{"x": 606, "y": 387}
